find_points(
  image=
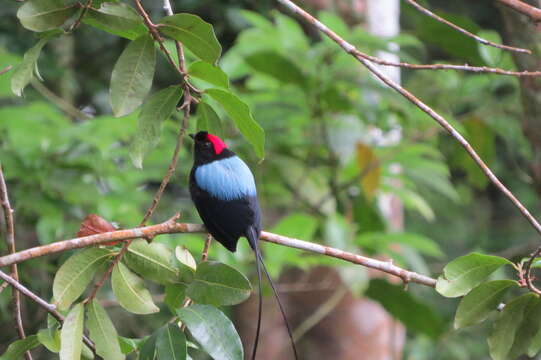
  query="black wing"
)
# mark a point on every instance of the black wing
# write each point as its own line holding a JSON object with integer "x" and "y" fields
{"x": 228, "y": 220}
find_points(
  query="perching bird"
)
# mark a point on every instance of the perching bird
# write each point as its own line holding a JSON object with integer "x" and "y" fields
{"x": 223, "y": 190}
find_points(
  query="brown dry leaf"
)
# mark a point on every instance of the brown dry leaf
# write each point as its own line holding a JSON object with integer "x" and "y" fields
{"x": 370, "y": 169}
{"x": 95, "y": 224}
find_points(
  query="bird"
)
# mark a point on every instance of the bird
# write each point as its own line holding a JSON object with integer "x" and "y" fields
{"x": 223, "y": 189}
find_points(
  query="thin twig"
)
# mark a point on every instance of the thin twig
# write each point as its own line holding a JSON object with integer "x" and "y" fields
{"x": 172, "y": 227}
{"x": 155, "y": 34}
{"x": 526, "y": 9}
{"x": 6, "y": 69}
{"x": 528, "y": 272}
{"x": 350, "y": 49}
{"x": 80, "y": 18}
{"x": 206, "y": 247}
{"x": 10, "y": 241}
{"x": 465, "y": 67}
{"x": 463, "y": 31}
{"x": 65, "y": 106}
{"x": 170, "y": 169}
{"x": 50, "y": 308}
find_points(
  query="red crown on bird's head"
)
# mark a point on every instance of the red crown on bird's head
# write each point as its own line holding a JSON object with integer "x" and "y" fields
{"x": 217, "y": 143}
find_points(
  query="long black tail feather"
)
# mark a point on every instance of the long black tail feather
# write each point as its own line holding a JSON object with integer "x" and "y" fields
{"x": 260, "y": 262}
{"x": 260, "y": 307}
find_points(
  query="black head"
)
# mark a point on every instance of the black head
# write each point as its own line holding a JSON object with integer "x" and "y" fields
{"x": 208, "y": 148}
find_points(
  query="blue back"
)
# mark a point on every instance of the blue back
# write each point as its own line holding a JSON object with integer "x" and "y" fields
{"x": 226, "y": 179}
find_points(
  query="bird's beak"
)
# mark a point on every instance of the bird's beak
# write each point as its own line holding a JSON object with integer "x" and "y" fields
{"x": 192, "y": 136}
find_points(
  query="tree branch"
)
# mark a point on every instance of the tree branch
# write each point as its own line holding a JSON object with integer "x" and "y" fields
{"x": 526, "y": 9}
{"x": 6, "y": 69}
{"x": 51, "y": 309}
{"x": 466, "y": 67}
{"x": 463, "y": 31}
{"x": 528, "y": 272}
{"x": 10, "y": 240}
{"x": 172, "y": 227}
{"x": 350, "y": 49}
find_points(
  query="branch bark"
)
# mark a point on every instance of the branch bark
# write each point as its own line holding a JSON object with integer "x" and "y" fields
{"x": 526, "y": 9}
{"x": 172, "y": 227}
{"x": 463, "y": 31}
{"x": 51, "y": 309}
{"x": 10, "y": 240}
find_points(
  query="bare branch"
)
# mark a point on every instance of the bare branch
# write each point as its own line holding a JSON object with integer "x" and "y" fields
{"x": 155, "y": 34}
{"x": 350, "y": 49}
{"x": 463, "y": 31}
{"x": 51, "y": 309}
{"x": 465, "y": 67}
{"x": 172, "y": 227}
{"x": 528, "y": 272}
{"x": 172, "y": 165}
{"x": 10, "y": 240}
{"x": 80, "y": 18}
{"x": 526, "y": 9}
{"x": 206, "y": 248}
{"x": 65, "y": 106}
{"x": 6, "y": 69}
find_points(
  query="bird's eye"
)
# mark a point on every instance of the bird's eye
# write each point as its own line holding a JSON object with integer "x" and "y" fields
{"x": 206, "y": 144}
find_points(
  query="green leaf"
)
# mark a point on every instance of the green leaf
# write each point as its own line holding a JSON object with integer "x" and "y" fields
{"x": 130, "y": 291}
{"x": 218, "y": 284}
{"x": 186, "y": 263}
{"x": 86, "y": 353}
{"x": 148, "y": 350}
{"x": 277, "y": 66}
{"x": 171, "y": 343}
{"x": 240, "y": 113}
{"x": 194, "y": 33}
{"x": 71, "y": 335}
{"x": 23, "y": 74}
{"x": 213, "y": 331}
{"x": 414, "y": 314}
{"x": 132, "y": 75}
{"x": 184, "y": 257}
{"x": 208, "y": 120}
{"x": 535, "y": 344}
{"x": 209, "y": 73}
{"x": 42, "y": 15}
{"x": 152, "y": 261}
{"x": 466, "y": 272}
{"x": 149, "y": 125}
{"x": 116, "y": 18}
{"x": 102, "y": 332}
{"x": 528, "y": 329}
{"x": 76, "y": 273}
{"x": 506, "y": 325}
{"x": 127, "y": 345}
{"x": 491, "y": 55}
{"x": 481, "y": 301}
{"x": 50, "y": 338}
{"x": 174, "y": 296}
{"x": 17, "y": 348}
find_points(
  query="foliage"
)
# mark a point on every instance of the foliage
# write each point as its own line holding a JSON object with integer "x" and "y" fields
{"x": 329, "y": 135}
